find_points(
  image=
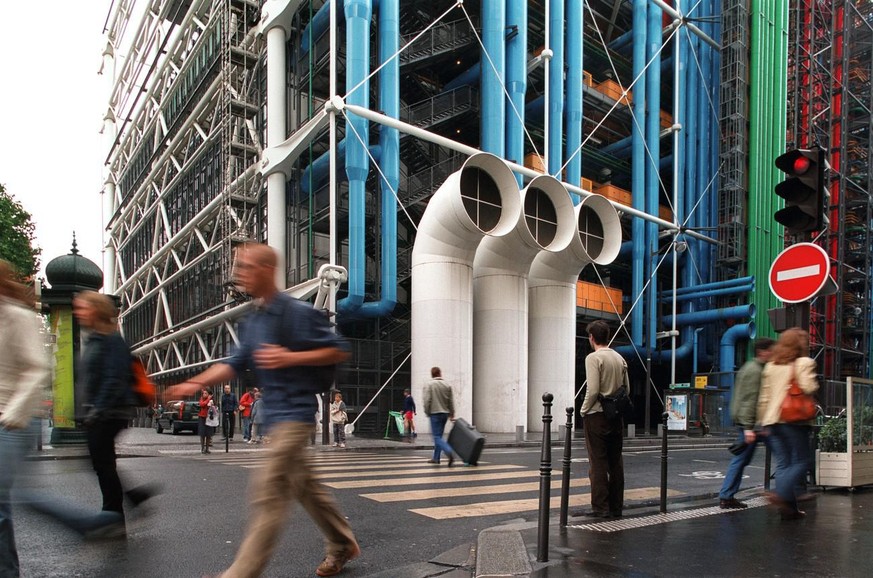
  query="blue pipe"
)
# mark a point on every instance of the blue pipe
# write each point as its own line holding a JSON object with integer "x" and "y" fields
{"x": 737, "y": 290}
{"x": 638, "y": 168}
{"x": 319, "y": 24}
{"x": 711, "y": 315}
{"x": 315, "y": 28}
{"x": 358, "y": 17}
{"x": 494, "y": 46}
{"x": 516, "y": 82}
{"x": 708, "y": 132}
{"x": 389, "y": 142}
{"x": 466, "y": 78}
{"x": 319, "y": 170}
{"x": 555, "y": 41}
{"x": 573, "y": 155}
{"x": 652, "y": 119}
{"x": 623, "y": 40}
{"x": 728, "y": 344}
{"x": 709, "y": 286}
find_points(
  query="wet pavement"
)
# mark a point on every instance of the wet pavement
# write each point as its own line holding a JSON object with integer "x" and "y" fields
{"x": 694, "y": 537}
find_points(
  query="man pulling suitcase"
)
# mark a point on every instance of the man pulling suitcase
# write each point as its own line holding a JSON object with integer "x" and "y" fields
{"x": 439, "y": 406}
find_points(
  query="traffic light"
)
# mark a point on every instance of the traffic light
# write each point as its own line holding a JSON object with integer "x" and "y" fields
{"x": 803, "y": 190}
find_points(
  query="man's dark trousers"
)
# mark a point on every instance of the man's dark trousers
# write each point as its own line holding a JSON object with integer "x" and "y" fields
{"x": 229, "y": 423}
{"x": 603, "y": 440}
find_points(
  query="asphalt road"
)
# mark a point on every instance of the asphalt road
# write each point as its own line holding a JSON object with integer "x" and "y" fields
{"x": 403, "y": 510}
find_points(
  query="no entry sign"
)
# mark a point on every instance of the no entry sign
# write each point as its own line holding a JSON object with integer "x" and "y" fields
{"x": 799, "y": 273}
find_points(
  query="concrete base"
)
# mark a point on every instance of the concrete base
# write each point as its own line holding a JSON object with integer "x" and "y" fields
{"x": 502, "y": 553}
{"x": 66, "y": 437}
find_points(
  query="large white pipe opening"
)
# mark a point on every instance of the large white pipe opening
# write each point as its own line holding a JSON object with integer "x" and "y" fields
{"x": 500, "y": 313}
{"x": 478, "y": 200}
{"x": 552, "y": 307}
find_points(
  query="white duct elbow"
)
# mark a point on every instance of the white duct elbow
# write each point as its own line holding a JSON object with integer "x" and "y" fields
{"x": 500, "y": 310}
{"x": 478, "y": 200}
{"x": 552, "y": 305}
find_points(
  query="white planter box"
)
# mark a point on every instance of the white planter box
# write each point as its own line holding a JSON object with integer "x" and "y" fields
{"x": 835, "y": 470}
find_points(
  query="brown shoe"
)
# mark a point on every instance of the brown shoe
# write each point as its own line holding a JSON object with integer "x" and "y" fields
{"x": 732, "y": 504}
{"x": 333, "y": 563}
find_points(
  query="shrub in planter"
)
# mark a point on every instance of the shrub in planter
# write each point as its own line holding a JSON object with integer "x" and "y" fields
{"x": 832, "y": 436}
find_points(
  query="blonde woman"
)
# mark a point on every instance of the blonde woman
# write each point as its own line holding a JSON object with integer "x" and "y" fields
{"x": 790, "y": 363}
{"x": 23, "y": 373}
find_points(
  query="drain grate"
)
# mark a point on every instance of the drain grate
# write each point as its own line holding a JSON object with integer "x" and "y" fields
{"x": 655, "y": 519}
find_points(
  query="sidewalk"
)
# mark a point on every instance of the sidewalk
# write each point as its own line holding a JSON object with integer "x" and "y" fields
{"x": 694, "y": 539}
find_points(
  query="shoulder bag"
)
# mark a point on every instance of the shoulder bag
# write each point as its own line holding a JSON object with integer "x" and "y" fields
{"x": 797, "y": 406}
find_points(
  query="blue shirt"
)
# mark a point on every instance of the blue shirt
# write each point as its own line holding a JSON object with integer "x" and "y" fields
{"x": 289, "y": 393}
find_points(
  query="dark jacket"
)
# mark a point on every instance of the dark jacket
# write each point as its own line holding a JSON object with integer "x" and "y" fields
{"x": 104, "y": 377}
{"x": 229, "y": 403}
{"x": 289, "y": 393}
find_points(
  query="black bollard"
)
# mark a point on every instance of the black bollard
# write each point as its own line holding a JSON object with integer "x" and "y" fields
{"x": 565, "y": 475}
{"x": 767, "y": 464}
{"x": 545, "y": 481}
{"x": 664, "y": 462}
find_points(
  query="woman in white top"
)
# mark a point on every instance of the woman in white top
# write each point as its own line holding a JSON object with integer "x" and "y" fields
{"x": 23, "y": 373}
{"x": 790, "y": 363}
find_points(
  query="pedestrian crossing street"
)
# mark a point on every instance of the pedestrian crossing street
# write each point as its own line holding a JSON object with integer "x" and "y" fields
{"x": 459, "y": 492}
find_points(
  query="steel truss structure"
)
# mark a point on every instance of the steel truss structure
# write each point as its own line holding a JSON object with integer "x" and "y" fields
{"x": 183, "y": 174}
{"x": 830, "y": 67}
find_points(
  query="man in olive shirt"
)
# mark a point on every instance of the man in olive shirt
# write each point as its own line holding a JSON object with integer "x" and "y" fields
{"x": 439, "y": 406}
{"x": 744, "y": 401}
{"x": 605, "y": 372}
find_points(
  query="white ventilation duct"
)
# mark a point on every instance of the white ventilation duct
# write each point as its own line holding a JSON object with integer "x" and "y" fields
{"x": 500, "y": 313}
{"x": 552, "y": 308}
{"x": 478, "y": 200}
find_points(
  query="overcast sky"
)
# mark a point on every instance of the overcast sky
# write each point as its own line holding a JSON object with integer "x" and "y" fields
{"x": 51, "y": 104}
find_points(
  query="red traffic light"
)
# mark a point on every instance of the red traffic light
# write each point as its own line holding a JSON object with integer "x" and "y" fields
{"x": 801, "y": 165}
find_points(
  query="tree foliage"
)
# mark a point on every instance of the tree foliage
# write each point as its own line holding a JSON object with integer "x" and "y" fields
{"x": 17, "y": 235}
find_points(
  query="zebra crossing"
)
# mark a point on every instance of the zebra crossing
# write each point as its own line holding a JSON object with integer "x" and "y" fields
{"x": 451, "y": 493}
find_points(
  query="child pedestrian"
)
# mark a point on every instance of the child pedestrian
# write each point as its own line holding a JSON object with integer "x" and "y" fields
{"x": 338, "y": 418}
{"x": 257, "y": 420}
{"x": 409, "y": 415}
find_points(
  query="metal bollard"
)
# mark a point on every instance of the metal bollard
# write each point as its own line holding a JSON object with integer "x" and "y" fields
{"x": 565, "y": 474}
{"x": 545, "y": 481}
{"x": 664, "y": 462}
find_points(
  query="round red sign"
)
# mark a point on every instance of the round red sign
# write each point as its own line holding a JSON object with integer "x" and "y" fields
{"x": 799, "y": 272}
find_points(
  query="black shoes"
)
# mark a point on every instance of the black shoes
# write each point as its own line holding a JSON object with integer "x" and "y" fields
{"x": 793, "y": 515}
{"x": 140, "y": 494}
{"x": 451, "y": 461}
{"x": 731, "y": 504}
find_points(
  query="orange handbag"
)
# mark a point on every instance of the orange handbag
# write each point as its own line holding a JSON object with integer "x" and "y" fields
{"x": 797, "y": 406}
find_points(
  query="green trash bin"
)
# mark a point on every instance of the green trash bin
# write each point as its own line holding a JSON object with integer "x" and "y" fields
{"x": 398, "y": 421}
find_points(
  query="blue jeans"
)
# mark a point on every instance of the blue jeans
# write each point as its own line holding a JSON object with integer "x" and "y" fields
{"x": 247, "y": 428}
{"x": 438, "y": 427}
{"x": 734, "y": 476}
{"x": 13, "y": 445}
{"x": 790, "y": 445}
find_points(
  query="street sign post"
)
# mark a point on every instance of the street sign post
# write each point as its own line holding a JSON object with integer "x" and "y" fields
{"x": 801, "y": 272}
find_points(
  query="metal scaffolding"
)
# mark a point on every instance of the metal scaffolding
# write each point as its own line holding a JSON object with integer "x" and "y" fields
{"x": 183, "y": 166}
{"x": 830, "y": 66}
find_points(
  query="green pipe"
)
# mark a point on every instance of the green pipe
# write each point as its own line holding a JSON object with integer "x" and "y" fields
{"x": 753, "y": 247}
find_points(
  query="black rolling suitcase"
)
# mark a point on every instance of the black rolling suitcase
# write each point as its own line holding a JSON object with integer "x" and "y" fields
{"x": 466, "y": 441}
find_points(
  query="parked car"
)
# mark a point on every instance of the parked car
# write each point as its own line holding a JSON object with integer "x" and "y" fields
{"x": 178, "y": 416}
